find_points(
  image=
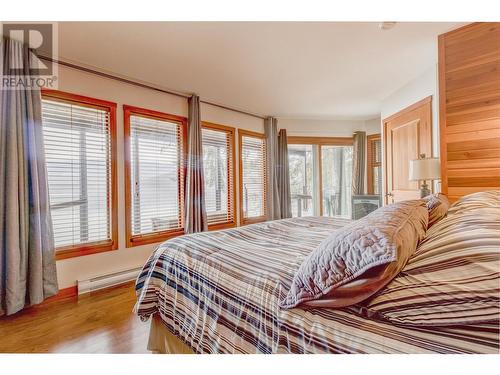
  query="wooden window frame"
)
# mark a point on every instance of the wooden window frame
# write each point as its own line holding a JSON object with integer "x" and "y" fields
{"x": 143, "y": 239}
{"x": 320, "y": 141}
{"x": 72, "y": 251}
{"x": 370, "y": 163}
{"x": 246, "y": 133}
{"x": 231, "y": 172}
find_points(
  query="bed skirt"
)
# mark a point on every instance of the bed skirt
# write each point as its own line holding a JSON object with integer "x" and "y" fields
{"x": 162, "y": 341}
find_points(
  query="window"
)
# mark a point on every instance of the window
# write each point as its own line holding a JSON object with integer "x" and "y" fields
{"x": 154, "y": 175}
{"x": 374, "y": 164}
{"x": 252, "y": 177}
{"x": 301, "y": 160}
{"x": 320, "y": 175}
{"x": 218, "y": 165}
{"x": 79, "y": 139}
{"x": 336, "y": 180}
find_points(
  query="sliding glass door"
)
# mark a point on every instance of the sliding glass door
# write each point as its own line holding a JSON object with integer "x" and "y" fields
{"x": 301, "y": 159}
{"x": 320, "y": 176}
{"x": 336, "y": 180}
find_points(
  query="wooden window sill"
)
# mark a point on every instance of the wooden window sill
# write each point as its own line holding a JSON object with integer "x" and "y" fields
{"x": 254, "y": 220}
{"x": 67, "y": 252}
{"x": 218, "y": 226}
{"x": 153, "y": 237}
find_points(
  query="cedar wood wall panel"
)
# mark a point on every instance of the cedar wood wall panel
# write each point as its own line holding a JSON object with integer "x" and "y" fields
{"x": 469, "y": 89}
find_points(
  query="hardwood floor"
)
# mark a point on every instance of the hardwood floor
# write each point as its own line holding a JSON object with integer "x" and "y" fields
{"x": 102, "y": 322}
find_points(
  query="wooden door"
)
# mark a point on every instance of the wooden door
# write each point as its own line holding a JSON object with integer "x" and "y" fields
{"x": 407, "y": 134}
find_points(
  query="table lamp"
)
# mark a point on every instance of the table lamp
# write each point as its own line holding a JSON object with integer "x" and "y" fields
{"x": 424, "y": 169}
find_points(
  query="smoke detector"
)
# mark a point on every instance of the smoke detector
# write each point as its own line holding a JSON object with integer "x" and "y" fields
{"x": 386, "y": 25}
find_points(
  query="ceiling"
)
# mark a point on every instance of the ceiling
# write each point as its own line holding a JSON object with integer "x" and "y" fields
{"x": 317, "y": 70}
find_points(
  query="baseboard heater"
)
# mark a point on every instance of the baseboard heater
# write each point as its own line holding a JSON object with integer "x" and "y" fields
{"x": 106, "y": 281}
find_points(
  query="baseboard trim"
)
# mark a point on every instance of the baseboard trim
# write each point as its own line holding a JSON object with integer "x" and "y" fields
{"x": 96, "y": 283}
{"x": 71, "y": 291}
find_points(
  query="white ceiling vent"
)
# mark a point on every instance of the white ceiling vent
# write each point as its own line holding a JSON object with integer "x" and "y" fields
{"x": 386, "y": 25}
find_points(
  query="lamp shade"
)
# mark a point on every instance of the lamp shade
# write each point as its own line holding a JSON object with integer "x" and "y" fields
{"x": 425, "y": 169}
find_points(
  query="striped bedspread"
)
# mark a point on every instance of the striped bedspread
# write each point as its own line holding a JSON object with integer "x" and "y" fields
{"x": 218, "y": 292}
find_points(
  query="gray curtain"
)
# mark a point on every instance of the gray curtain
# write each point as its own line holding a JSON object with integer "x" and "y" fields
{"x": 283, "y": 176}
{"x": 359, "y": 163}
{"x": 27, "y": 262}
{"x": 273, "y": 209}
{"x": 278, "y": 200}
{"x": 196, "y": 213}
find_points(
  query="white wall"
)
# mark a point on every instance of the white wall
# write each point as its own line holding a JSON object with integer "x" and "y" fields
{"x": 328, "y": 128}
{"x": 373, "y": 126}
{"x": 418, "y": 88}
{"x": 77, "y": 82}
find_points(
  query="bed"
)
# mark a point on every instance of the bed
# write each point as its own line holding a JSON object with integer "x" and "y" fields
{"x": 218, "y": 292}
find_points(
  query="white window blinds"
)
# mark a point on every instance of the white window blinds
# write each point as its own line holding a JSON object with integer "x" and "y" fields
{"x": 218, "y": 167}
{"x": 253, "y": 176}
{"x": 376, "y": 160}
{"x": 156, "y": 175}
{"x": 78, "y": 155}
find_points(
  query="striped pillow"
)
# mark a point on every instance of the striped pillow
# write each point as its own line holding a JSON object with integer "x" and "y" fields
{"x": 454, "y": 276}
{"x": 477, "y": 200}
